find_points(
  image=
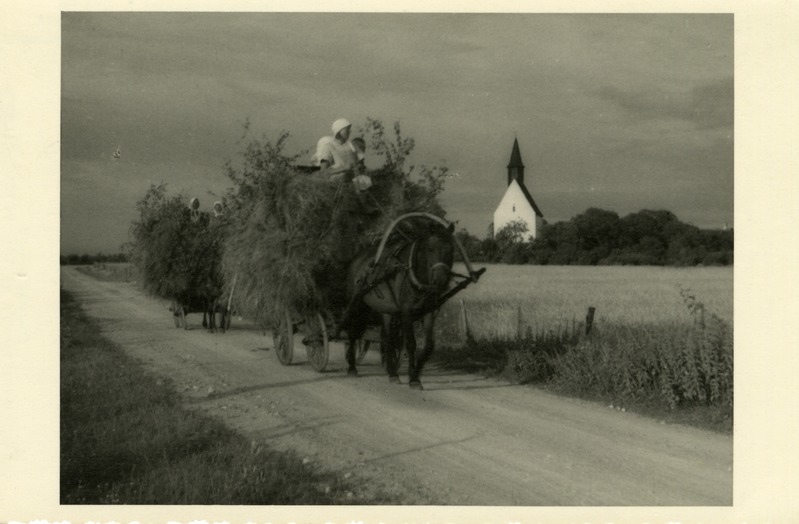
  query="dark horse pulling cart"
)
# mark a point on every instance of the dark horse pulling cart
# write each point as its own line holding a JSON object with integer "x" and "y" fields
{"x": 212, "y": 309}
{"x": 406, "y": 278}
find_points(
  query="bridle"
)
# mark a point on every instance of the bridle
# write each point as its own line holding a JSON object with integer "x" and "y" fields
{"x": 426, "y": 289}
{"x": 411, "y": 269}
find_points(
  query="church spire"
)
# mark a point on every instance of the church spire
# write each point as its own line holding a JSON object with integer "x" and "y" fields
{"x": 515, "y": 166}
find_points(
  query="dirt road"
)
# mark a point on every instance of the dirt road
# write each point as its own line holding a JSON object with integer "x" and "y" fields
{"x": 464, "y": 440}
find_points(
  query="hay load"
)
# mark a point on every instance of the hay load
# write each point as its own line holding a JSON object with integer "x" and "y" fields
{"x": 292, "y": 234}
{"x": 177, "y": 249}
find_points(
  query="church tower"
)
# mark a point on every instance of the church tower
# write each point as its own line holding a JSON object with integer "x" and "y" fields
{"x": 518, "y": 203}
{"x": 515, "y": 166}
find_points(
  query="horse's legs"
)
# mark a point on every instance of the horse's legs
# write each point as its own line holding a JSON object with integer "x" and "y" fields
{"x": 209, "y": 312}
{"x": 222, "y": 316}
{"x": 355, "y": 326}
{"x": 391, "y": 342}
{"x": 410, "y": 348}
{"x": 429, "y": 342}
{"x": 353, "y": 341}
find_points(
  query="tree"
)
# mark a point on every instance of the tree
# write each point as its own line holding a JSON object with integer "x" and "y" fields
{"x": 560, "y": 243}
{"x": 471, "y": 244}
{"x": 597, "y": 234}
{"x": 513, "y": 243}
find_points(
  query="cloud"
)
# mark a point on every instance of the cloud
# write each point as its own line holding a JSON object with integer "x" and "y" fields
{"x": 172, "y": 89}
{"x": 706, "y": 106}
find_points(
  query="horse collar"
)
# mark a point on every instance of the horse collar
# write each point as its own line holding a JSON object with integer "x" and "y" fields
{"x": 412, "y": 273}
{"x": 411, "y": 270}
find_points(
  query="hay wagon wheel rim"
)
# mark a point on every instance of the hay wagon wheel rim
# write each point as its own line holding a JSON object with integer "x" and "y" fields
{"x": 283, "y": 337}
{"x": 317, "y": 346}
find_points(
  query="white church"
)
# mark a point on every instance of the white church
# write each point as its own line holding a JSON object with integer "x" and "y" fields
{"x": 518, "y": 203}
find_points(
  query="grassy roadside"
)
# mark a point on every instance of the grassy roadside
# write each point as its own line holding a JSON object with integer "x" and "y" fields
{"x": 675, "y": 373}
{"x": 125, "y": 439}
{"x": 474, "y": 359}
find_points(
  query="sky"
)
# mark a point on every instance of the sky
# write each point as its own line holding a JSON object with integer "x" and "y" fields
{"x": 620, "y": 111}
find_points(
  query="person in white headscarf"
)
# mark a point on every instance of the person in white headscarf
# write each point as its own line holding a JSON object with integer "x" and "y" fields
{"x": 334, "y": 154}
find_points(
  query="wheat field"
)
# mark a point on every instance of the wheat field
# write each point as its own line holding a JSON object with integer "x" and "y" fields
{"x": 509, "y": 299}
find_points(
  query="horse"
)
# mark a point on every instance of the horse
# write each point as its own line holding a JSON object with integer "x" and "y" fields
{"x": 210, "y": 305}
{"x": 403, "y": 285}
{"x": 216, "y": 306}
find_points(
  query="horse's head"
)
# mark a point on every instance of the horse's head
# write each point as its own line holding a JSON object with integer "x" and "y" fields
{"x": 435, "y": 256}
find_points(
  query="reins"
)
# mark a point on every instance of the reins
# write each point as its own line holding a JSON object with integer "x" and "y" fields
{"x": 374, "y": 275}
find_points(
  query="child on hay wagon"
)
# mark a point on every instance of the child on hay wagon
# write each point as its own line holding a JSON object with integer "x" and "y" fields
{"x": 361, "y": 181}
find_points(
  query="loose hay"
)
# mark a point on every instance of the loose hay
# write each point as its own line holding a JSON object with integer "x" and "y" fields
{"x": 294, "y": 234}
{"x": 178, "y": 257}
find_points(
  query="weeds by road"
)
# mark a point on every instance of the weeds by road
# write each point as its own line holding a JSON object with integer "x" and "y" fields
{"x": 672, "y": 371}
{"x": 125, "y": 439}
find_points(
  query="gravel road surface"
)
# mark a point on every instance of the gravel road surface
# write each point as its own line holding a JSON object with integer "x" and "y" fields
{"x": 464, "y": 440}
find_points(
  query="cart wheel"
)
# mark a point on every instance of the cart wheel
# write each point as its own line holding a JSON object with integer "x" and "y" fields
{"x": 317, "y": 345}
{"x": 361, "y": 349}
{"x": 283, "y": 339}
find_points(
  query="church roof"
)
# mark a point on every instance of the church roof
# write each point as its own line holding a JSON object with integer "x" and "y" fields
{"x": 517, "y": 166}
{"x": 530, "y": 200}
{"x": 515, "y": 155}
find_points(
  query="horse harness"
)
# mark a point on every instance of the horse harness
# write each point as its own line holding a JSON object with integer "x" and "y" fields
{"x": 389, "y": 266}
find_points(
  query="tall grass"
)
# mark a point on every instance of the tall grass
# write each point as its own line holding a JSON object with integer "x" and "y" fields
{"x": 674, "y": 365}
{"x": 655, "y": 344}
{"x": 125, "y": 439}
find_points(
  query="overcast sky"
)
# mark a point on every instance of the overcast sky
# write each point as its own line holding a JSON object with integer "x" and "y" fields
{"x": 621, "y": 112}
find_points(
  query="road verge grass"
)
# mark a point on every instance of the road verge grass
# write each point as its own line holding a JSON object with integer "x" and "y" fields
{"x": 679, "y": 372}
{"x": 125, "y": 439}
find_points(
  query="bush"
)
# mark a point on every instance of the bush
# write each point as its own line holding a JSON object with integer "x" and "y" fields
{"x": 676, "y": 366}
{"x": 718, "y": 258}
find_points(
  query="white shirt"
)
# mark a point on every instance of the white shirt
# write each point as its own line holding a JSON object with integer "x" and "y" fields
{"x": 334, "y": 152}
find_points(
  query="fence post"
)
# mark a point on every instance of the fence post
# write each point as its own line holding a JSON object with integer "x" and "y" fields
{"x": 589, "y": 319}
{"x": 519, "y": 331}
{"x": 464, "y": 324}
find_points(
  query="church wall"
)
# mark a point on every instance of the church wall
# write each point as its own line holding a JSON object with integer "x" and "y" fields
{"x": 514, "y": 206}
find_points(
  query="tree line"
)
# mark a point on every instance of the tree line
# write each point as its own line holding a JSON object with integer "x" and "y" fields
{"x": 601, "y": 237}
{"x": 86, "y": 259}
